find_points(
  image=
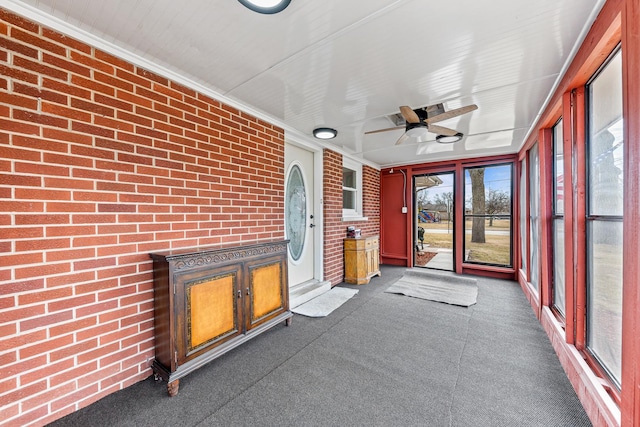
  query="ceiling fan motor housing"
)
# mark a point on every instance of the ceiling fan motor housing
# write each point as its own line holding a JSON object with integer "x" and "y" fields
{"x": 421, "y": 113}
{"x": 420, "y": 128}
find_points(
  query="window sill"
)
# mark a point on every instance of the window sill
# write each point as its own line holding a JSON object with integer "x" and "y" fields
{"x": 354, "y": 218}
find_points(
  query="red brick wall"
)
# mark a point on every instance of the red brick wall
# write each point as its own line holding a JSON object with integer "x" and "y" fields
{"x": 101, "y": 163}
{"x": 335, "y": 230}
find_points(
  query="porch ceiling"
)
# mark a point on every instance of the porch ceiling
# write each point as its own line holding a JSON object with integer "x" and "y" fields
{"x": 350, "y": 64}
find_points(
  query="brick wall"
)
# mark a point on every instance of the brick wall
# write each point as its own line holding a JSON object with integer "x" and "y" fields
{"x": 101, "y": 163}
{"x": 335, "y": 230}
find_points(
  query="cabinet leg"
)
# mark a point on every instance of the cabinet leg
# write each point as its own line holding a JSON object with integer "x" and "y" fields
{"x": 172, "y": 387}
{"x": 288, "y": 321}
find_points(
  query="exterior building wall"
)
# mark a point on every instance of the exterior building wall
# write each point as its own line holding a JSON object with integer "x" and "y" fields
{"x": 335, "y": 229}
{"x": 101, "y": 163}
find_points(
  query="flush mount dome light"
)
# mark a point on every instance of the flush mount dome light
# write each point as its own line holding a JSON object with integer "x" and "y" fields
{"x": 325, "y": 133}
{"x": 448, "y": 139}
{"x": 266, "y": 6}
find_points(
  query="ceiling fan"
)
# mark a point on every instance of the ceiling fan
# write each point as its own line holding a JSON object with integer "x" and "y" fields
{"x": 420, "y": 121}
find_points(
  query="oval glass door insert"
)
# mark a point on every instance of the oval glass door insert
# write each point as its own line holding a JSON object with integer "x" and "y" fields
{"x": 296, "y": 212}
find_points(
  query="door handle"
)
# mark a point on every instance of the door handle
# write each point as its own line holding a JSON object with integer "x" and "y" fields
{"x": 311, "y": 225}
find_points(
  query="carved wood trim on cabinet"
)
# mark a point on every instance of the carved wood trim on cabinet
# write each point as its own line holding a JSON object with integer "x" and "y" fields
{"x": 209, "y": 301}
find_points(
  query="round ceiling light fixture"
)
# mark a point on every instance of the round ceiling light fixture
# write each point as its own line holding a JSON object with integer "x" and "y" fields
{"x": 325, "y": 133}
{"x": 417, "y": 131}
{"x": 448, "y": 139}
{"x": 266, "y": 6}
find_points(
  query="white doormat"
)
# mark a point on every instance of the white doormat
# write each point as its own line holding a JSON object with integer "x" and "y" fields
{"x": 324, "y": 304}
{"x": 444, "y": 287}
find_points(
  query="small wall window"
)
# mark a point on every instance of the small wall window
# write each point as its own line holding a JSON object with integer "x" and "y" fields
{"x": 351, "y": 190}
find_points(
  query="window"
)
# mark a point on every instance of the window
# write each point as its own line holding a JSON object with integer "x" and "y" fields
{"x": 523, "y": 212}
{"x": 604, "y": 215}
{"x": 558, "y": 220}
{"x": 487, "y": 217}
{"x": 534, "y": 217}
{"x": 351, "y": 190}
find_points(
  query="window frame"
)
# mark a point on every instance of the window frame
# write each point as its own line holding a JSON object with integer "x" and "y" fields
{"x": 555, "y": 218}
{"x": 534, "y": 249}
{"x": 594, "y": 361}
{"x": 357, "y": 213}
{"x": 523, "y": 220}
{"x": 465, "y": 216}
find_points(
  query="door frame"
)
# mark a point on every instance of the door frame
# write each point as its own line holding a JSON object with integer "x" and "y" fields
{"x": 414, "y": 220}
{"x": 318, "y": 214}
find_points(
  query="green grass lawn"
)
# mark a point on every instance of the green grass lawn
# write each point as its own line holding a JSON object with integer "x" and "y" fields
{"x": 495, "y": 250}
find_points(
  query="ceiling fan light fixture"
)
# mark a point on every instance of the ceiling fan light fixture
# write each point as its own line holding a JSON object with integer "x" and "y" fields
{"x": 325, "y": 133}
{"x": 417, "y": 131}
{"x": 449, "y": 139}
{"x": 266, "y": 6}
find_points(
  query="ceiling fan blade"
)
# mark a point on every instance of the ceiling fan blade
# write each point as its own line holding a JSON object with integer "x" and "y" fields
{"x": 441, "y": 130}
{"x": 402, "y": 139}
{"x": 384, "y": 130}
{"x": 409, "y": 115}
{"x": 451, "y": 114}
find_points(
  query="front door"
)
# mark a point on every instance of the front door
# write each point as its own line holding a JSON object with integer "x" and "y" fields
{"x": 299, "y": 214}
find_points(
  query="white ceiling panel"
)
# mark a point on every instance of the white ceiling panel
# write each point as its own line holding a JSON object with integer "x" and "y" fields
{"x": 350, "y": 64}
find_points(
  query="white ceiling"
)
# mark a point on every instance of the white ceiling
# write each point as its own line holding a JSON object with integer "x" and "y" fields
{"x": 349, "y": 64}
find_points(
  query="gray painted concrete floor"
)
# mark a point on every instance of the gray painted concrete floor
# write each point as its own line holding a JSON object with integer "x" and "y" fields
{"x": 378, "y": 360}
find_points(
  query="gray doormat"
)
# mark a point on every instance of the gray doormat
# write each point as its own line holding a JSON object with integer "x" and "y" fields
{"x": 324, "y": 304}
{"x": 436, "y": 286}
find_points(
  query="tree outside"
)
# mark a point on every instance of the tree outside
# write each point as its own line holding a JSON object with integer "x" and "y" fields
{"x": 497, "y": 202}
{"x": 478, "y": 204}
{"x": 445, "y": 199}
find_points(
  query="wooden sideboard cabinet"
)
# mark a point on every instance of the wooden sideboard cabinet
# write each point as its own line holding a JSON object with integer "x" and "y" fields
{"x": 209, "y": 301}
{"x": 361, "y": 259}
